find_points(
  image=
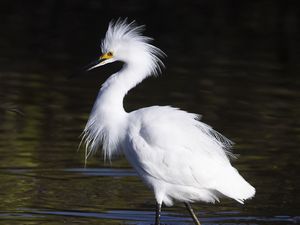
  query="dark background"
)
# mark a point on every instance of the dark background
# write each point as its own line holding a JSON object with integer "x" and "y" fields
{"x": 69, "y": 32}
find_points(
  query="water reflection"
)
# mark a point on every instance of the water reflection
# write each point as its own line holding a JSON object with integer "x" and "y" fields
{"x": 235, "y": 69}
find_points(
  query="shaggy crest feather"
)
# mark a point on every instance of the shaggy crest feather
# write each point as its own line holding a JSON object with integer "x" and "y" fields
{"x": 121, "y": 32}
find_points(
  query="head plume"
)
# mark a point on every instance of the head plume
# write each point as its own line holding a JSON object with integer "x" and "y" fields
{"x": 127, "y": 36}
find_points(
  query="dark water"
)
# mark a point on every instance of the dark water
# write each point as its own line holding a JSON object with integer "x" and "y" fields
{"x": 234, "y": 63}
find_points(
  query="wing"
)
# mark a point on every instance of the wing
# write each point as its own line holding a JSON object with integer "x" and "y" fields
{"x": 172, "y": 145}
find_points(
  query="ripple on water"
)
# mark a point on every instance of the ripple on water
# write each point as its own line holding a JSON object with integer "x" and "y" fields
{"x": 145, "y": 217}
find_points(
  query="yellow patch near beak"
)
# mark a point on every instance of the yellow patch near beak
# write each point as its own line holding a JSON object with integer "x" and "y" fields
{"x": 107, "y": 55}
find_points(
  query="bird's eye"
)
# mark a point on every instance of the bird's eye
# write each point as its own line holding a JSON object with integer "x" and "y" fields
{"x": 109, "y": 54}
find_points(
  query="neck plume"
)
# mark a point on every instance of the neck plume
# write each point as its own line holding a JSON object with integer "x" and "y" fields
{"x": 108, "y": 116}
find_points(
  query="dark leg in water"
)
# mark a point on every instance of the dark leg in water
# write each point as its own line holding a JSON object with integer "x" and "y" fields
{"x": 191, "y": 211}
{"x": 158, "y": 211}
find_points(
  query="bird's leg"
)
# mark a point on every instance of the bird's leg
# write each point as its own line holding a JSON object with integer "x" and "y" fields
{"x": 191, "y": 211}
{"x": 158, "y": 211}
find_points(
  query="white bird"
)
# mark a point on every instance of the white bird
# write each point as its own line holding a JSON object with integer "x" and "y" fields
{"x": 176, "y": 155}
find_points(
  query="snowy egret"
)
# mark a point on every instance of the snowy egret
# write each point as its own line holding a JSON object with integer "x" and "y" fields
{"x": 176, "y": 155}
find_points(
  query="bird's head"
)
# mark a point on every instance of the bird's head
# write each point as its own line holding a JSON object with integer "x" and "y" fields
{"x": 124, "y": 42}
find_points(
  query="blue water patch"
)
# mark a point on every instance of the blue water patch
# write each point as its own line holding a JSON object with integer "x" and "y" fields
{"x": 103, "y": 172}
{"x": 147, "y": 217}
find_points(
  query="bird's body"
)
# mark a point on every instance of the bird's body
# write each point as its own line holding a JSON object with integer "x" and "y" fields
{"x": 176, "y": 155}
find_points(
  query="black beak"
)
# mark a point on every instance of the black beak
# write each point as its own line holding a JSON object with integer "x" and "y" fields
{"x": 93, "y": 64}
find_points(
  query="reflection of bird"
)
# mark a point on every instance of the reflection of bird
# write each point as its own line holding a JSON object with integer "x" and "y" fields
{"x": 176, "y": 155}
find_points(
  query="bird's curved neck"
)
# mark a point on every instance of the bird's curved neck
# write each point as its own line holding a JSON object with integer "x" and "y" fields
{"x": 108, "y": 120}
{"x": 114, "y": 89}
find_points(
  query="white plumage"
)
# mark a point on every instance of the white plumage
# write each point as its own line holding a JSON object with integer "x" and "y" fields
{"x": 176, "y": 155}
